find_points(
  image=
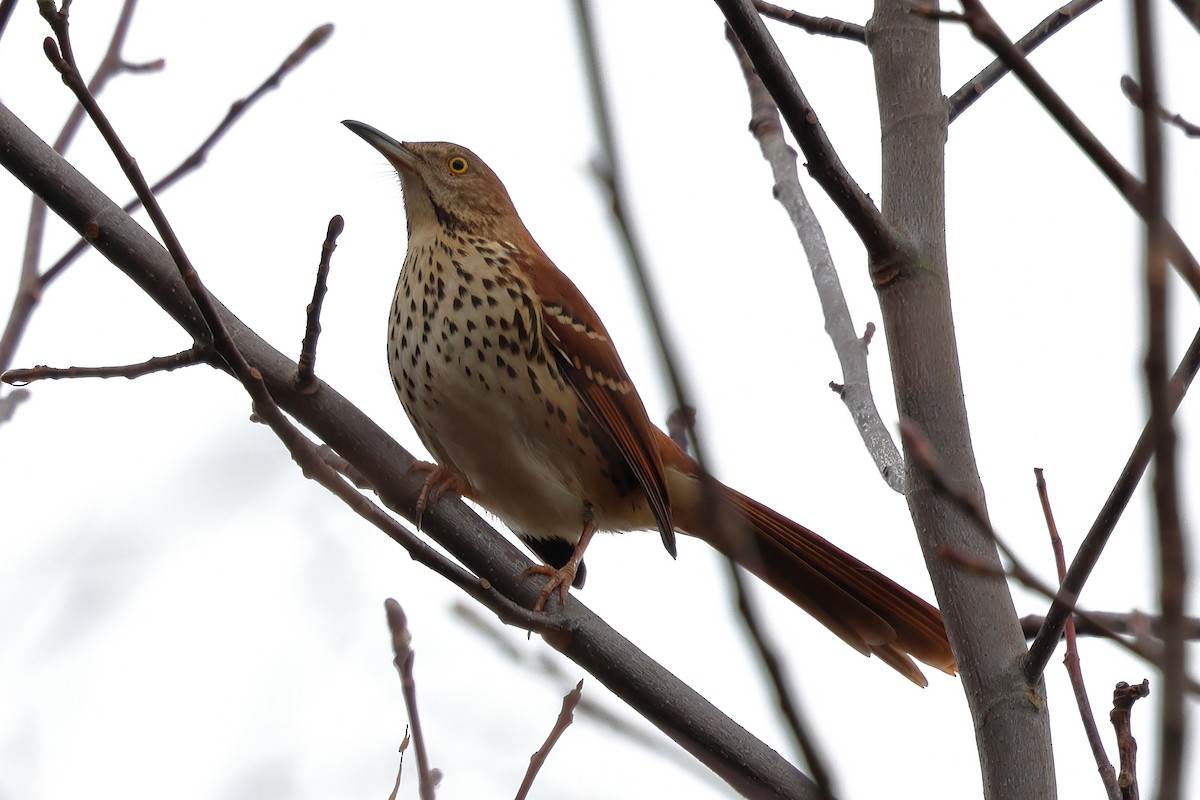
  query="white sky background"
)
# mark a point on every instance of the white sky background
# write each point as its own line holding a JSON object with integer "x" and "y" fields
{"x": 180, "y": 611}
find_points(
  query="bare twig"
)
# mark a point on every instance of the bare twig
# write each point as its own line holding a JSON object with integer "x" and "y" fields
{"x": 984, "y": 28}
{"x": 6, "y": 9}
{"x": 825, "y": 26}
{"x": 565, "y": 717}
{"x": 1131, "y": 623}
{"x": 971, "y": 91}
{"x": 920, "y": 449}
{"x": 886, "y": 251}
{"x": 788, "y": 704}
{"x": 1074, "y": 669}
{"x": 401, "y": 646}
{"x": 31, "y": 283}
{"x": 34, "y": 284}
{"x": 197, "y": 354}
{"x": 1190, "y": 9}
{"x": 306, "y": 379}
{"x": 551, "y": 669}
{"x": 855, "y": 390}
{"x": 1172, "y": 551}
{"x": 1106, "y": 520}
{"x": 1121, "y": 716}
{"x": 199, "y": 156}
{"x": 1134, "y": 92}
{"x": 608, "y": 170}
{"x": 1139, "y": 647}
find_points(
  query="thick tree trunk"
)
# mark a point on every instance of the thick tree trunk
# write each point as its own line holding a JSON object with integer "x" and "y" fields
{"x": 1012, "y": 725}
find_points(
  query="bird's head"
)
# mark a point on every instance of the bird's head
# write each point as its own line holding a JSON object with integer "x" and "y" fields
{"x": 445, "y": 185}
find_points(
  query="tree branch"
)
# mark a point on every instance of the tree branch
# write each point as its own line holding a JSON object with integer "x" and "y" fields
{"x": 885, "y": 250}
{"x": 1106, "y": 521}
{"x": 404, "y": 657}
{"x": 196, "y": 354}
{"x": 855, "y": 389}
{"x": 1172, "y": 552}
{"x": 984, "y": 28}
{"x": 973, "y": 89}
{"x": 825, "y": 26}
{"x": 1074, "y": 668}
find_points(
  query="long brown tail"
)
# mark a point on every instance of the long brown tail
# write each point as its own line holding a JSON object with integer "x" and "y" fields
{"x": 869, "y": 611}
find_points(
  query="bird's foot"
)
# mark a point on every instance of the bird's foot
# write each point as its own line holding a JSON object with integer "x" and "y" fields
{"x": 560, "y": 579}
{"x": 439, "y": 481}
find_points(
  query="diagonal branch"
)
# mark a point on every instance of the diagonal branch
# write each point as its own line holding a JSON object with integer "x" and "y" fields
{"x": 984, "y": 28}
{"x": 1106, "y": 520}
{"x": 855, "y": 389}
{"x": 973, "y": 89}
{"x": 30, "y": 285}
{"x": 197, "y": 354}
{"x": 826, "y": 26}
{"x": 1172, "y": 551}
{"x": 199, "y": 156}
{"x": 1071, "y": 661}
{"x": 884, "y": 247}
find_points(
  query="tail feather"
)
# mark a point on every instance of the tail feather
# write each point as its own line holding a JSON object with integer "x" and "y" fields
{"x": 866, "y": 609}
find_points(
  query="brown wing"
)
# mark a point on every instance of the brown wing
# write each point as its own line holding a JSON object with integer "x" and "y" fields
{"x": 576, "y": 336}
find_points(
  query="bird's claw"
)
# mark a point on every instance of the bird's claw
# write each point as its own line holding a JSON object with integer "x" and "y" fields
{"x": 438, "y": 482}
{"x": 560, "y": 579}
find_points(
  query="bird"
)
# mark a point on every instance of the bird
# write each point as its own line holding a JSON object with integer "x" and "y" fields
{"x": 514, "y": 386}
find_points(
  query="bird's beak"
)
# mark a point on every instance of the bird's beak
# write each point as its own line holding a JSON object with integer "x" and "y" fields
{"x": 393, "y": 151}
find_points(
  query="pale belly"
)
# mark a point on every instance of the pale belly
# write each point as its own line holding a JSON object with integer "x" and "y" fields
{"x": 496, "y": 410}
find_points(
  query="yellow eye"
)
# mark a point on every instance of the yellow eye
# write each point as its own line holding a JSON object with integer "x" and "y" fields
{"x": 458, "y": 165}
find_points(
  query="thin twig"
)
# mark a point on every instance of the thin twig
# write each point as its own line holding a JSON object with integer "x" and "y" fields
{"x": 1106, "y": 521}
{"x": 1172, "y": 552}
{"x": 196, "y": 354}
{"x": 6, "y": 9}
{"x": 851, "y": 351}
{"x": 551, "y": 669}
{"x": 984, "y": 28}
{"x": 1074, "y": 668}
{"x": 1139, "y": 647}
{"x": 1134, "y": 93}
{"x": 887, "y": 253}
{"x": 565, "y": 717}
{"x": 608, "y": 171}
{"x": 825, "y": 26}
{"x": 306, "y": 379}
{"x": 199, "y": 156}
{"x": 1121, "y": 716}
{"x": 973, "y": 89}
{"x": 1128, "y": 623}
{"x": 788, "y": 704}
{"x": 427, "y": 777}
{"x": 1190, "y": 9}
{"x": 31, "y": 283}
{"x": 918, "y": 446}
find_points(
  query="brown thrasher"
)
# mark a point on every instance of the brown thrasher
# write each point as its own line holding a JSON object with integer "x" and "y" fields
{"x": 514, "y": 386}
